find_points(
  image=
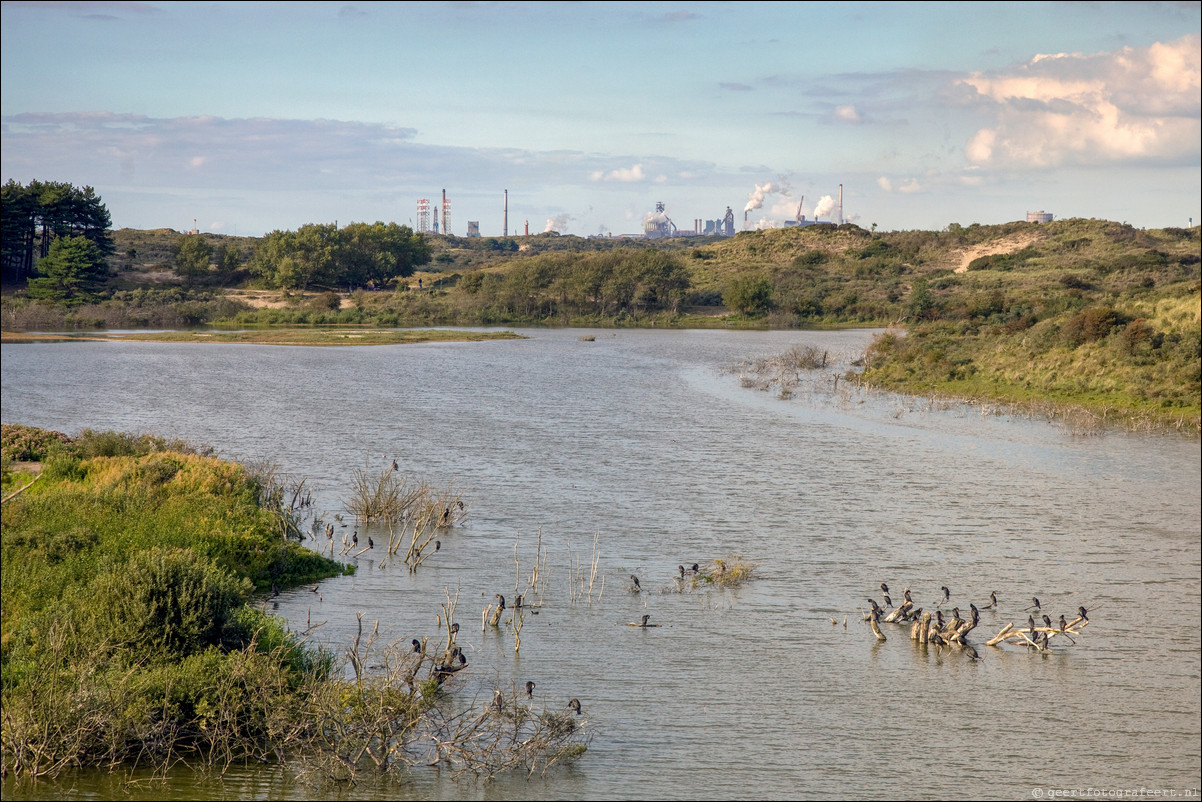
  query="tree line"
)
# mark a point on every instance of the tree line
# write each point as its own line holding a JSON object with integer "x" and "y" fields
{"x": 37, "y": 215}
{"x": 322, "y": 256}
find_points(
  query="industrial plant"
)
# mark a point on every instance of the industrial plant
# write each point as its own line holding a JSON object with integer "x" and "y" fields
{"x": 657, "y": 224}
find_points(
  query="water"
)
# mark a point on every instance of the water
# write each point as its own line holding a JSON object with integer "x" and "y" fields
{"x": 641, "y": 441}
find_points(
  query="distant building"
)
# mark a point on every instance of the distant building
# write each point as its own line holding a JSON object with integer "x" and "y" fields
{"x": 473, "y": 228}
{"x": 1039, "y": 217}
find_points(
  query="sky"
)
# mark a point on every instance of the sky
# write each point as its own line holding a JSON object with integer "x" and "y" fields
{"x": 244, "y": 118}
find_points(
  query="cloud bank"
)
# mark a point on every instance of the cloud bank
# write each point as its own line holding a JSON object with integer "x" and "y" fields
{"x": 1137, "y": 106}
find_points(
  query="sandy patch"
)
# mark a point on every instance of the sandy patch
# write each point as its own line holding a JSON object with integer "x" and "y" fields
{"x": 1011, "y": 244}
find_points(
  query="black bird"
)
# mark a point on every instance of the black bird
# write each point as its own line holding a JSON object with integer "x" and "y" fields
{"x": 906, "y": 594}
{"x": 971, "y": 652}
{"x": 1081, "y": 611}
{"x": 992, "y": 601}
{"x": 947, "y": 594}
{"x": 417, "y": 645}
{"x": 574, "y": 706}
{"x": 460, "y": 503}
{"x": 455, "y": 628}
{"x": 437, "y": 545}
{"x": 696, "y": 568}
{"x": 888, "y": 601}
{"x": 1063, "y": 624}
{"x": 355, "y": 538}
{"x": 395, "y": 467}
{"x": 371, "y": 544}
{"x": 876, "y": 609}
{"x": 530, "y": 689}
{"x": 1031, "y": 623}
{"x": 502, "y": 598}
{"x": 884, "y": 588}
{"x": 635, "y": 580}
{"x": 644, "y": 624}
{"x": 462, "y": 659}
{"x": 1047, "y": 621}
{"x": 498, "y": 701}
{"x": 681, "y": 567}
{"x": 446, "y": 517}
{"x": 975, "y": 613}
{"x": 275, "y": 590}
{"x": 1034, "y": 603}
{"x": 517, "y": 603}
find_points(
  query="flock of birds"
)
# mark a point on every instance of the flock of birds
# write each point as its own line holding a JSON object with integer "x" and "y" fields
{"x": 932, "y": 626}
{"x": 453, "y": 660}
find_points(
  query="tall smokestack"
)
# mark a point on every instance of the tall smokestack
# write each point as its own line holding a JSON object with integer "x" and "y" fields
{"x": 444, "y": 212}
{"x": 840, "y": 204}
{"x": 505, "y": 231}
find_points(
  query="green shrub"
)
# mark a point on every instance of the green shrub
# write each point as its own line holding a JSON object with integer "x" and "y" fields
{"x": 1091, "y": 325}
{"x": 169, "y": 602}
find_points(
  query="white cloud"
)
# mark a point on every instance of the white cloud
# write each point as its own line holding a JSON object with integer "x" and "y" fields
{"x": 623, "y": 174}
{"x": 1132, "y": 105}
{"x": 847, "y": 114}
{"x": 907, "y": 187}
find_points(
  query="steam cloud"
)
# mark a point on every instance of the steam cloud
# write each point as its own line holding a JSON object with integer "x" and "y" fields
{"x": 824, "y": 207}
{"x": 756, "y": 199}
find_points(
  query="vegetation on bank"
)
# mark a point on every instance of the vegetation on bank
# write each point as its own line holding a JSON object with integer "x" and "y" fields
{"x": 131, "y": 636}
{"x": 1086, "y": 312}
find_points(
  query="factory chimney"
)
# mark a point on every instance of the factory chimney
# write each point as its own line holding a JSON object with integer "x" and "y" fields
{"x": 444, "y": 212}
{"x": 840, "y": 204}
{"x": 505, "y": 230}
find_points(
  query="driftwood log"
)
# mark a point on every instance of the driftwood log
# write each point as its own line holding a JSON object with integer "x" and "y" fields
{"x": 1037, "y": 638}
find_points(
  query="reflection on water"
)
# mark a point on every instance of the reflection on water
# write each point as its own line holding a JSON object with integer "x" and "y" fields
{"x": 640, "y": 441}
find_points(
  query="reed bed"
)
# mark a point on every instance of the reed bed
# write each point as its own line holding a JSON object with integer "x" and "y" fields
{"x": 728, "y": 573}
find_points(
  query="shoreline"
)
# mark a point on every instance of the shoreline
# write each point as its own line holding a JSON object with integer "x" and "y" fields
{"x": 286, "y": 337}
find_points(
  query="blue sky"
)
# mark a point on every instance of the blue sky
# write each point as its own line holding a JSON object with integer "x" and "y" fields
{"x": 250, "y": 117}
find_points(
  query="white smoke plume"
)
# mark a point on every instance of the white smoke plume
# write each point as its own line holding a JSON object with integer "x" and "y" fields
{"x": 557, "y": 223}
{"x": 825, "y": 207}
{"x": 756, "y": 199}
{"x": 655, "y": 217}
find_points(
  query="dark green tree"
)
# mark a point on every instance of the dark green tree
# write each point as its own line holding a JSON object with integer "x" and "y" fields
{"x": 71, "y": 273}
{"x": 192, "y": 255}
{"x": 37, "y": 214}
{"x": 749, "y": 295}
{"x": 229, "y": 261}
{"x": 921, "y": 305}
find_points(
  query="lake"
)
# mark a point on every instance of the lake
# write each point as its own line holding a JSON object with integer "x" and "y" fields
{"x": 643, "y": 443}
